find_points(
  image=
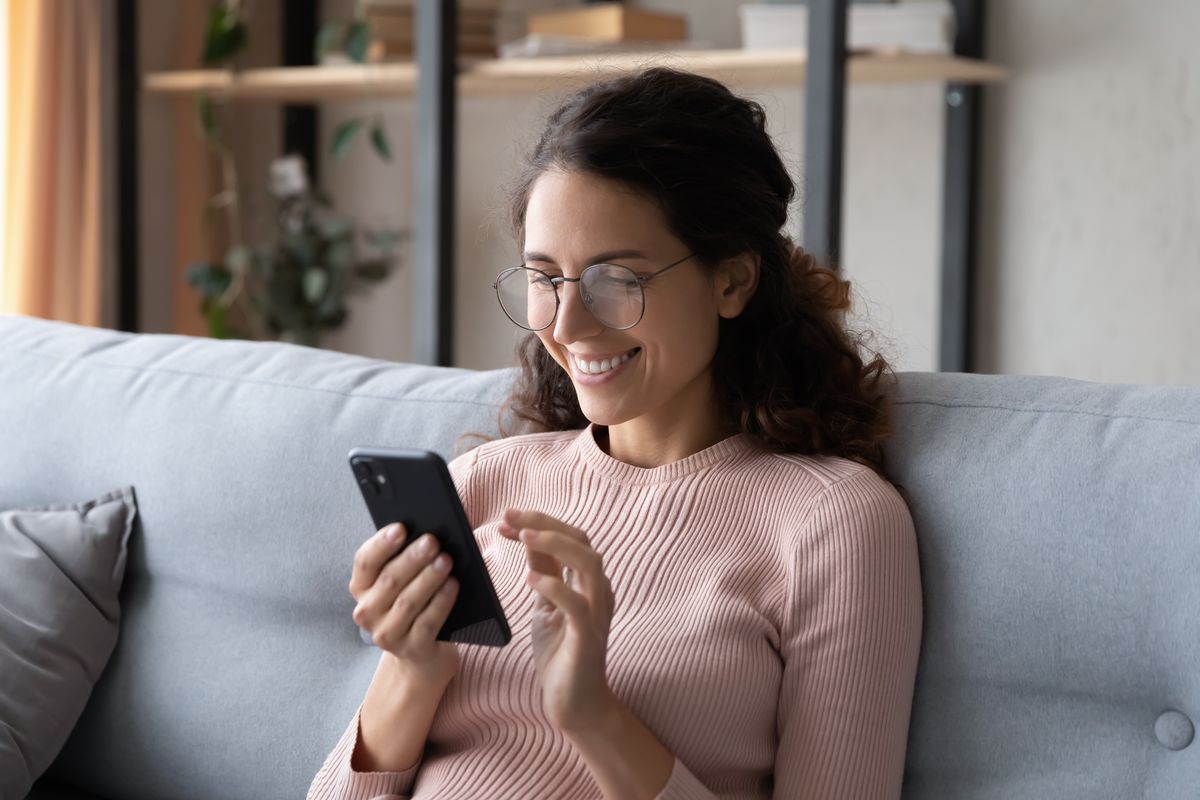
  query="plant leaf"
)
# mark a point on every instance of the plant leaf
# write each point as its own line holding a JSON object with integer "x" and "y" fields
{"x": 225, "y": 35}
{"x": 315, "y": 281}
{"x": 210, "y": 279}
{"x": 358, "y": 40}
{"x": 380, "y": 140}
{"x": 206, "y": 114}
{"x": 373, "y": 270}
{"x": 344, "y": 135}
{"x": 327, "y": 38}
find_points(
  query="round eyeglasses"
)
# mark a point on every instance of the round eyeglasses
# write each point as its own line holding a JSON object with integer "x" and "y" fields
{"x": 612, "y": 293}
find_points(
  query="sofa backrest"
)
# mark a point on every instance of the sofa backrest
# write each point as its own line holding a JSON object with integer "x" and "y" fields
{"x": 1058, "y": 522}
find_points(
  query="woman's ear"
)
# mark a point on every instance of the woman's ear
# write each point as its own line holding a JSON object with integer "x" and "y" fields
{"x": 736, "y": 281}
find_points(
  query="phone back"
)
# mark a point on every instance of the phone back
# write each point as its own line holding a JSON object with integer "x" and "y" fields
{"x": 414, "y": 487}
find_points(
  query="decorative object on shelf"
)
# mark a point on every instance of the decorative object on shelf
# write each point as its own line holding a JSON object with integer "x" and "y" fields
{"x": 881, "y": 27}
{"x": 296, "y": 286}
{"x": 610, "y": 22}
{"x": 392, "y": 24}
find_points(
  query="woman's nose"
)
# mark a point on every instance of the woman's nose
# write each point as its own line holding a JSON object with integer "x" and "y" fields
{"x": 574, "y": 321}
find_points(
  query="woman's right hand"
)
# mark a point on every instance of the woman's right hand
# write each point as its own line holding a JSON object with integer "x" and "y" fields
{"x": 403, "y": 603}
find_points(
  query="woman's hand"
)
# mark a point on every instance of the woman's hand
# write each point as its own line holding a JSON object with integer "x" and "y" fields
{"x": 571, "y": 617}
{"x": 403, "y": 602}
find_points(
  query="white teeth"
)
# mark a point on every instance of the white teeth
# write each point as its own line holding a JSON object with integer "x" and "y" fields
{"x": 598, "y": 367}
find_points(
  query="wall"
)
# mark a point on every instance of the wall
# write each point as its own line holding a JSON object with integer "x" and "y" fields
{"x": 1090, "y": 238}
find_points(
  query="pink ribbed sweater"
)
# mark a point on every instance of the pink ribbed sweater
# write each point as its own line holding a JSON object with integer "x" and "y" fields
{"x": 767, "y": 626}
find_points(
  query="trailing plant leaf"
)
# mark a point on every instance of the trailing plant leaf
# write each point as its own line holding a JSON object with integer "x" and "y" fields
{"x": 315, "y": 282}
{"x": 380, "y": 141}
{"x": 340, "y": 255}
{"x": 327, "y": 39}
{"x": 210, "y": 279}
{"x": 372, "y": 270}
{"x": 344, "y": 135}
{"x": 206, "y": 115}
{"x": 384, "y": 238}
{"x": 225, "y": 35}
{"x": 358, "y": 40}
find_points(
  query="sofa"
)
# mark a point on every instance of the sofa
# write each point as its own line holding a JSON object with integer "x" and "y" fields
{"x": 1058, "y": 523}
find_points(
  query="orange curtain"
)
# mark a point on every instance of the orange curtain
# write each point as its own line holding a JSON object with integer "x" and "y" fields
{"x": 52, "y": 253}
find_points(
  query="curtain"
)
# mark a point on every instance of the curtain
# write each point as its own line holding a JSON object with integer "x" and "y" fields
{"x": 52, "y": 247}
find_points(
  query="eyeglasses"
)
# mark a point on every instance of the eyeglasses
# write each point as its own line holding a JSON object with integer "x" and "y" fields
{"x": 612, "y": 293}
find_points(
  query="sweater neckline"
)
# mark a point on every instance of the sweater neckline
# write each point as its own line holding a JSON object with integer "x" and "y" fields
{"x": 590, "y": 451}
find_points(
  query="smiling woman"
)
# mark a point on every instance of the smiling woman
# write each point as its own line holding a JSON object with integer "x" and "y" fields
{"x": 713, "y": 587}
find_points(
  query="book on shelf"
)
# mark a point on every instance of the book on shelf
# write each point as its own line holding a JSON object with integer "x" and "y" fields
{"x": 610, "y": 22}
{"x": 889, "y": 27}
{"x": 393, "y": 27}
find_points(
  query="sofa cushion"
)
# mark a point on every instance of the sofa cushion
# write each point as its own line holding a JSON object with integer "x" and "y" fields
{"x": 59, "y": 618}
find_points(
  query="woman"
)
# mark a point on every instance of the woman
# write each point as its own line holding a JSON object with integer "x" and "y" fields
{"x": 713, "y": 588}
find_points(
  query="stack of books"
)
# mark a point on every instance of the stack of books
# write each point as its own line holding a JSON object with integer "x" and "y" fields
{"x": 598, "y": 28}
{"x": 878, "y": 27}
{"x": 394, "y": 28}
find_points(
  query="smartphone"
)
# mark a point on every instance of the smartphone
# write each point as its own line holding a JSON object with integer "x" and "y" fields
{"x": 414, "y": 487}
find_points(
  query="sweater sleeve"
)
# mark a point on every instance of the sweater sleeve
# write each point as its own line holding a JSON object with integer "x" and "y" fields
{"x": 338, "y": 781}
{"x": 850, "y": 641}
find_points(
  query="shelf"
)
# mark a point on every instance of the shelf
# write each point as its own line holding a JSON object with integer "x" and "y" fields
{"x": 523, "y": 75}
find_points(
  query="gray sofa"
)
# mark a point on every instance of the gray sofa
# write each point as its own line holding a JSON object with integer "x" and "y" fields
{"x": 1058, "y": 520}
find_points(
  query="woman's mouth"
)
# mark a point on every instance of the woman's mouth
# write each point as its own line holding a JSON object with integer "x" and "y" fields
{"x": 594, "y": 371}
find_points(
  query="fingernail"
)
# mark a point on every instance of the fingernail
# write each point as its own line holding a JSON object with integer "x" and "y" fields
{"x": 393, "y": 532}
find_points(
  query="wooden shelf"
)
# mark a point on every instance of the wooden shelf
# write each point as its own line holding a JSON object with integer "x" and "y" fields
{"x": 523, "y": 75}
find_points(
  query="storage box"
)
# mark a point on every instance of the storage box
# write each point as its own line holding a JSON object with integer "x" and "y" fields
{"x": 910, "y": 27}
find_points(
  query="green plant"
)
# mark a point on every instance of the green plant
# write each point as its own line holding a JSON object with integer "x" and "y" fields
{"x": 295, "y": 286}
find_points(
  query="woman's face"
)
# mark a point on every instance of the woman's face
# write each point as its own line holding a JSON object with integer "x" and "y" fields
{"x": 575, "y": 219}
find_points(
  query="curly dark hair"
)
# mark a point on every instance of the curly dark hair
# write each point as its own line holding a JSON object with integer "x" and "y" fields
{"x": 787, "y": 370}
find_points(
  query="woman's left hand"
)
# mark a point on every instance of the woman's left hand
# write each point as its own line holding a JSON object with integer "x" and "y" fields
{"x": 571, "y": 617}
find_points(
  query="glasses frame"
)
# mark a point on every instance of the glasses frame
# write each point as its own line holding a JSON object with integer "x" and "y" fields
{"x": 558, "y": 280}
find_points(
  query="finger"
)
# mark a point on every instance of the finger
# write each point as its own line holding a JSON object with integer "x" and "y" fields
{"x": 397, "y": 623}
{"x": 560, "y": 596}
{"x": 585, "y": 562}
{"x": 543, "y": 562}
{"x": 427, "y": 624}
{"x": 517, "y": 518}
{"x": 394, "y": 579}
{"x": 371, "y": 556}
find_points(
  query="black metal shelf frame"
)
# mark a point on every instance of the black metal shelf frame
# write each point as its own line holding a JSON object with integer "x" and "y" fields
{"x": 434, "y": 169}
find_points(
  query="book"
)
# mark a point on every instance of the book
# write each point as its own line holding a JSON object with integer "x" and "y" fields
{"x": 610, "y": 22}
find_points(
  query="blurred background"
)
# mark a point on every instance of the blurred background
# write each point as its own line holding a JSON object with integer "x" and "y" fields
{"x": 283, "y": 207}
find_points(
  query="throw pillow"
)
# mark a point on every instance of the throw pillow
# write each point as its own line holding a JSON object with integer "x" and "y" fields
{"x": 61, "y": 569}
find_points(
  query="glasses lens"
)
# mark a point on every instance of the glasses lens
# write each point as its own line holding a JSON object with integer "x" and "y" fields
{"x": 613, "y": 295}
{"x": 527, "y": 297}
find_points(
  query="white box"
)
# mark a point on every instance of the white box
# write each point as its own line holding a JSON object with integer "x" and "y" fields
{"x": 911, "y": 27}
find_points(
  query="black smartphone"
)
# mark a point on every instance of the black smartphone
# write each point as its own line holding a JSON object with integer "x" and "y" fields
{"x": 414, "y": 487}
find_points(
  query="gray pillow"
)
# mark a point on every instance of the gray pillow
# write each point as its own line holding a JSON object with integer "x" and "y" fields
{"x": 61, "y": 569}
